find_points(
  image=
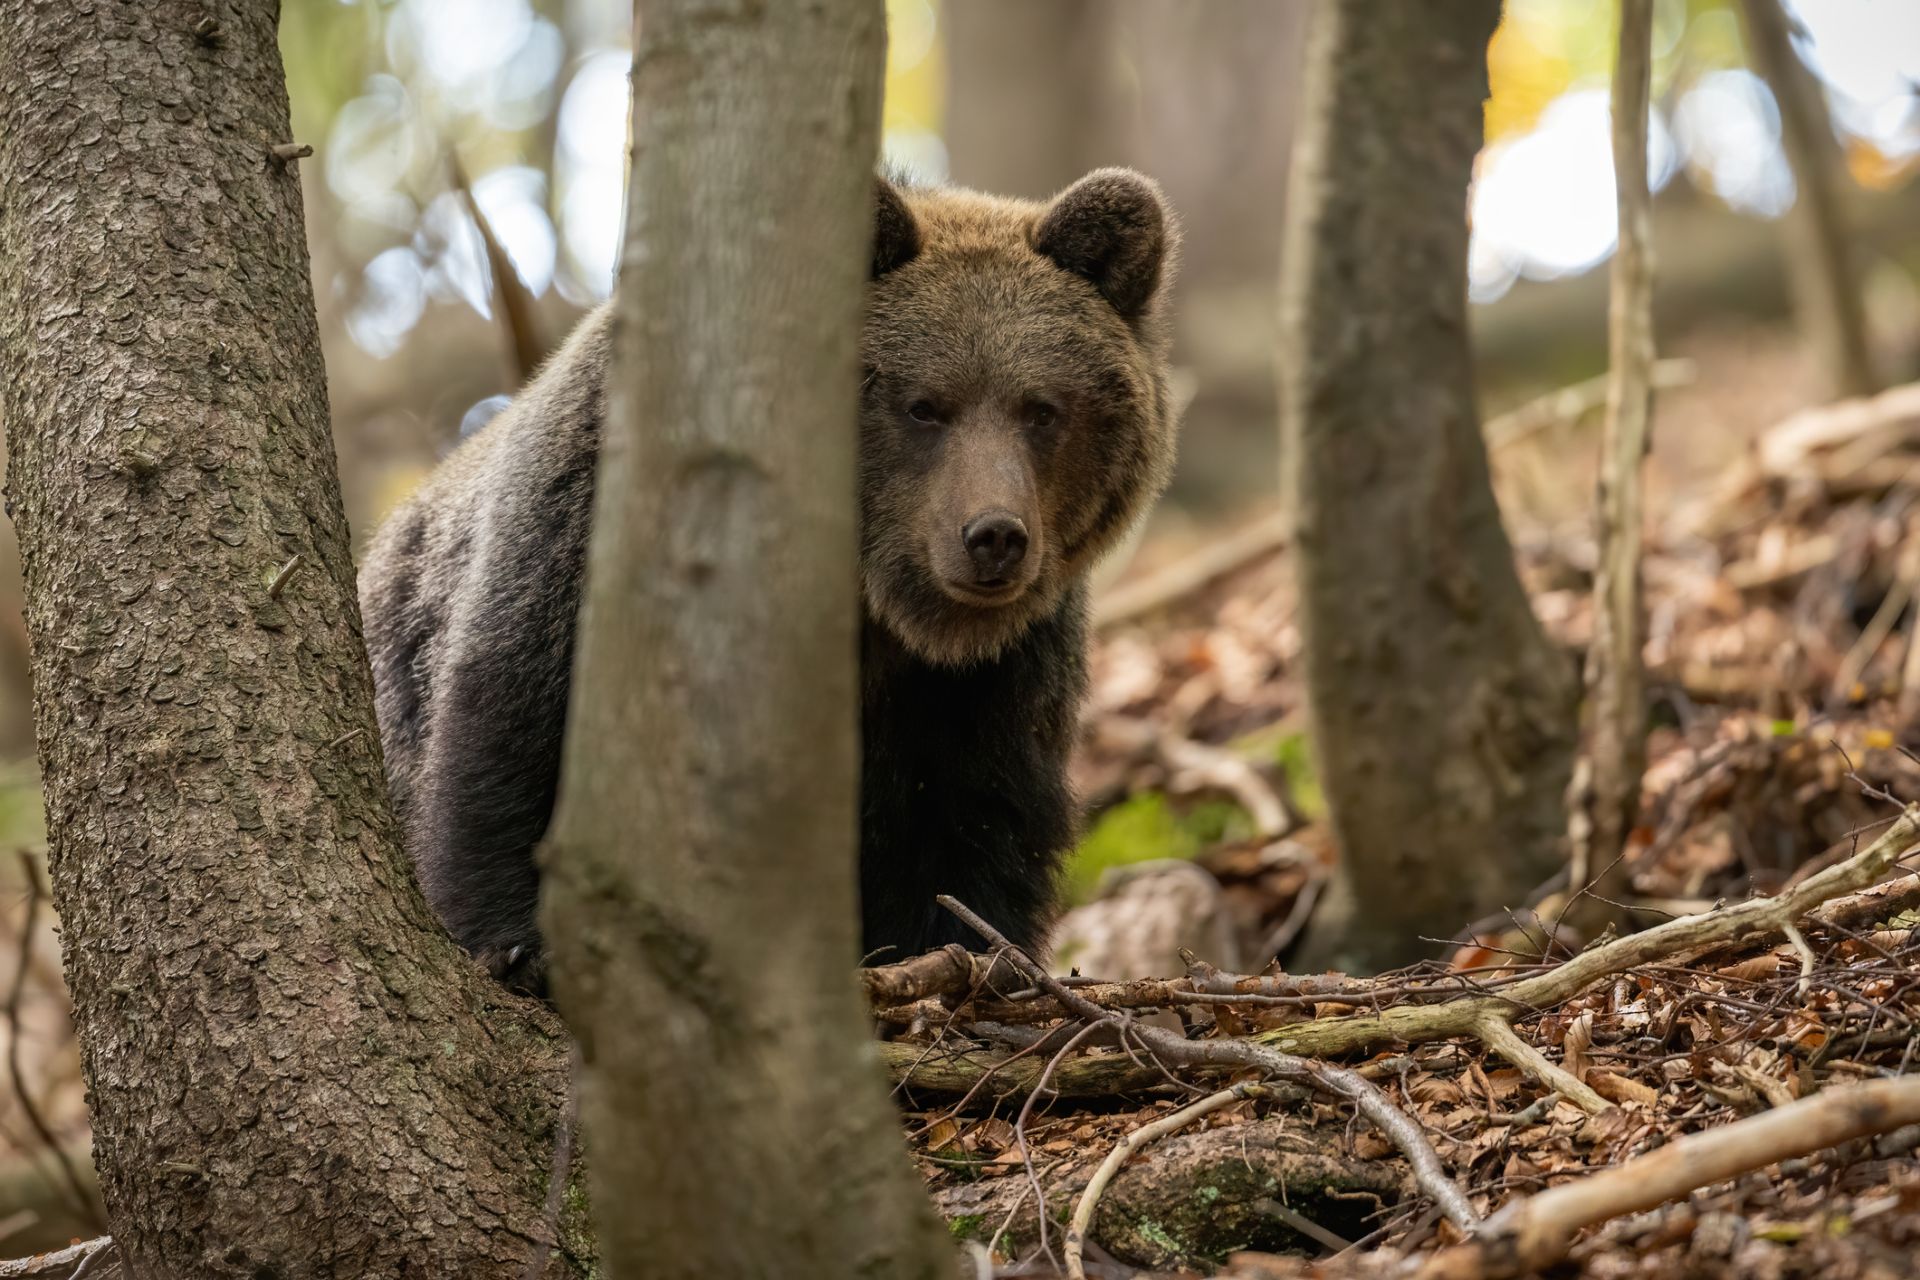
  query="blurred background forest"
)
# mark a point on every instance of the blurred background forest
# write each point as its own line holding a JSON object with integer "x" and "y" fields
{"x": 424, "y": 113}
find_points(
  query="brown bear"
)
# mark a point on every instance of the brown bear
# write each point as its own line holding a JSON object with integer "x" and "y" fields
{"x": 1014, "y": 422}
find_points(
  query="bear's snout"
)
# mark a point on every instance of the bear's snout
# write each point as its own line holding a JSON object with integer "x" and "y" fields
{"x": 996, "y": 542}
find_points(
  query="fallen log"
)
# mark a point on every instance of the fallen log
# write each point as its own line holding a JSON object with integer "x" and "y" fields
{"x": 1198, "y": 1199}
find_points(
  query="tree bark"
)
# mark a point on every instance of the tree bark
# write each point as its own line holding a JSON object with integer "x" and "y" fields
{"x": 700, "y": 881}
{"x": 292, "y": 1071}
{"x": 1826, "y": 281}
{"x": 1442, "y": 718}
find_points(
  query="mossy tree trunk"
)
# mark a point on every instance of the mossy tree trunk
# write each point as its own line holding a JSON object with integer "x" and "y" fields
{"x": 700, "y": 876}
{"x": 292, "y": 1071}
{"x": 1443, "y": 720}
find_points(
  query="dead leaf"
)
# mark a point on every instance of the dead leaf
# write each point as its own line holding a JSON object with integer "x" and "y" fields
{"x": 1574, "y": 1048}
{"x": 1621, "y": 1089}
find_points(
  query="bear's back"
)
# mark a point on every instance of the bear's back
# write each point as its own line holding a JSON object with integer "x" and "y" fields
{"x": 507, "y": 512}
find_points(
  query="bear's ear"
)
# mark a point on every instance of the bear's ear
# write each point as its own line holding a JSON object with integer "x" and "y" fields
{"x": 896, "y": 236}
{"x": 1112, "y": 227}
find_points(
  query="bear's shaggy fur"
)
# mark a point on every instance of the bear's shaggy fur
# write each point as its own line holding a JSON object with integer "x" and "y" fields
{"x": 1014, "y": 421}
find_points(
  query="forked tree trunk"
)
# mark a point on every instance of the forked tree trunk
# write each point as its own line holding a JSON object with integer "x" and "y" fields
{"x": 700, "y": 876}
{"x": 292, "y": 1071}
{"x": 1443, "y": 721}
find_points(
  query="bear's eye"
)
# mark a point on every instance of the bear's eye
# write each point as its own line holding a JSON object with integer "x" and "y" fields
{"x": 1042, "y": 415}
{"x": 923, "y": 411}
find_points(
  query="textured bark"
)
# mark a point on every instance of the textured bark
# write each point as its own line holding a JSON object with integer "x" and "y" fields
{"x": 1826, "y": 280}
{"x": 1442, "y": 719}
{"x": 292, "y": 1071}
{"x": 699, "y": 896}
{"x": 1605, "y": 800}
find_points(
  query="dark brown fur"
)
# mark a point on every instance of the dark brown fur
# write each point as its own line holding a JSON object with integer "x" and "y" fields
{"x": 1015, "y": 375}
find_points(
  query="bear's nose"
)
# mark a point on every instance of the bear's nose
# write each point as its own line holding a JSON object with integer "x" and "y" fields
{"x": 996, "y": 542}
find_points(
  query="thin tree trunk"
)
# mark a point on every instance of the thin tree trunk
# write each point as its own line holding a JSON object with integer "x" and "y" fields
{"x": 1442, "y": 718}
{"x": 1606, "y": 799}
{"x": 700, "y": 888}
{"x": 292, "y": 1072}
{"x": 1826, "y": 283}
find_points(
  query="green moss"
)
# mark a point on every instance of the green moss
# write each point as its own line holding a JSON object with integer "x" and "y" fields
{"x": 1303, "y": 783}
{"x": 968, "y": 1226}
{"x": 1146, "y": 827}
{"x": 1154, "y": 1233}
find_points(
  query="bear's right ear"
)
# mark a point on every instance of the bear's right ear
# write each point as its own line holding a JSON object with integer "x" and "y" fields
{"x": 1113, "y": 228}
{"x": 896, "y": 236}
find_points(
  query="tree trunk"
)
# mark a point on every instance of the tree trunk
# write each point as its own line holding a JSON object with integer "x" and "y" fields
{"x": 1027, "y": 84}
{"x": 1605, "y": 799}
{"x": 292, "y": 1071}
{"x": 700, "y": 881}
{"x": 1442, "y": 718}
{"x": 1826, "y": 283}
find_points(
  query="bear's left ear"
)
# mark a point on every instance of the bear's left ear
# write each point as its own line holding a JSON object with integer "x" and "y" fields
{"x": 896, "y": 236}
{"x": 1112, "y": 227}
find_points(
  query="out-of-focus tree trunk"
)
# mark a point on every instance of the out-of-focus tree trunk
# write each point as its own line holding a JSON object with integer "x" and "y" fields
{"x": 700, "y": 892}
{"x": 1443, "y": 720}
{"x": 1028, "y": 88}
{"x": 292, "y": 1071}
{"x": 1826, "y": 281}
{"x": 1202, "y": 95}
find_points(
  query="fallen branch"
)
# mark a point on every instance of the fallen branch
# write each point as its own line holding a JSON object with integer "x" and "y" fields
{"x": 1534, "y": 1233}
{"x": 1415, "y": 1024}
{"x": 1498, "y": 1035}
{"x": 960, "y": 1071}
{"x": 94, "y": 1259}
{"x": 1398, "y": 1128}
{"x": 949, "y": 971}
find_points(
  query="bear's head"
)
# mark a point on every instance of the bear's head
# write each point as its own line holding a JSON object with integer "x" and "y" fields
{"x": 1014, "y": 413}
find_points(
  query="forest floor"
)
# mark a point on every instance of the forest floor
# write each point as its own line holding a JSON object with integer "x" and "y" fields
{"x": 1781, "y": 580}
{"x": 1781, "y": 589}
